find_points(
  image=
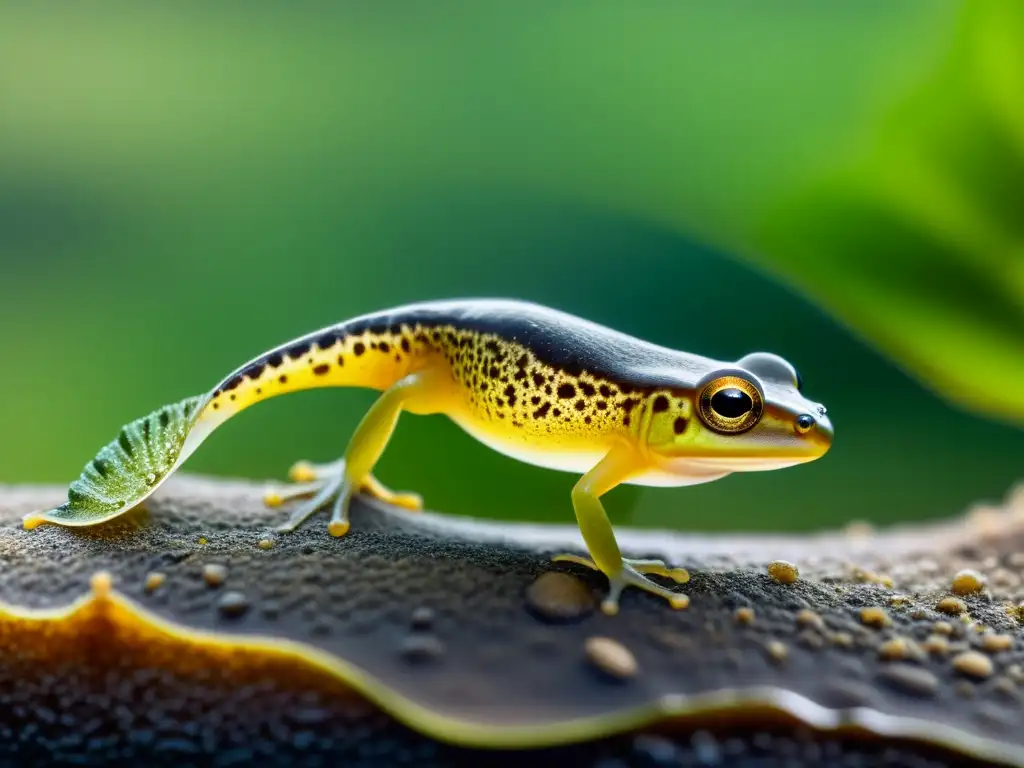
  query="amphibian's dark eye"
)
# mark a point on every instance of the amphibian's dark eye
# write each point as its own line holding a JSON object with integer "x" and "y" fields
{"x": 804, "y": 423}
{"x": 730, "y": 404}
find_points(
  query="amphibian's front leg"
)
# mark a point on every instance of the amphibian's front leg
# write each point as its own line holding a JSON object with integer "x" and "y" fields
{"x": 337, "y": 481}
{"x": 616, "y": 467}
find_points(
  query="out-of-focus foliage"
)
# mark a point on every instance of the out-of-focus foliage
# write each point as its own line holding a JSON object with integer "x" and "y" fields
{"x": 918, "y": 241}
{"x": 184, "y": 186}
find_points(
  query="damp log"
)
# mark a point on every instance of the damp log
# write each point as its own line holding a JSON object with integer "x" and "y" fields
{"x": 188, "y": 633}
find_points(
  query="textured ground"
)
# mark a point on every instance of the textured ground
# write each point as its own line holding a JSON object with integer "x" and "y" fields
{"x": 417, "y": 640}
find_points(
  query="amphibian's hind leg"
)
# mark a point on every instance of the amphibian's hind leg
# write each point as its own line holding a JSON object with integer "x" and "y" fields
{"x": 334, "y": 483}
{"x": 617, "y": 466}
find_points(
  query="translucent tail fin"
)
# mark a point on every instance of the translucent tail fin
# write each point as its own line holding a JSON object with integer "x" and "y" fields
{"x": 127, "y": 469}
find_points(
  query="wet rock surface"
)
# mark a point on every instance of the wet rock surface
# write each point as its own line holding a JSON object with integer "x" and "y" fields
{"x": 322, "y": 650}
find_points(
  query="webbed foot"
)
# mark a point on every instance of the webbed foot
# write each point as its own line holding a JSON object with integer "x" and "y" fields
{"x": 326, "y": 484}
{"x": 631, "y": 574}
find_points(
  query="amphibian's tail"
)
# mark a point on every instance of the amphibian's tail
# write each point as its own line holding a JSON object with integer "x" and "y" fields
{"x": 352, "y": 354}
{"x": 127, "y": 469}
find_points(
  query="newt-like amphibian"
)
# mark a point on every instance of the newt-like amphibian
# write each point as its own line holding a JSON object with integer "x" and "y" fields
{"x": 534, "y": 383}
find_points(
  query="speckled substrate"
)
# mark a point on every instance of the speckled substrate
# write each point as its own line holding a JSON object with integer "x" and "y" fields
{"x": 191, "y": 634}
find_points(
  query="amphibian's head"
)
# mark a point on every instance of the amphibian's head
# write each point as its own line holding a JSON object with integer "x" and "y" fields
{"x": 750, "y": 415}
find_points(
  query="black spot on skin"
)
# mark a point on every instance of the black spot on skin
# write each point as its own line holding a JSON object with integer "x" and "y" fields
{"x": 538, "y": 380}
{"x": 517, "y": 423}
{"x": 493, "y": 372}
{"x": 601, "y": 405}
{"x": 394, "y": 329}
{"x": 358, "y": 348}
{"x": 484, "y": 386}
{"x": 373, "y": 345}
{"x": 586, "y": 419}
{"x": 405, "y": 345}
{"x": 146, "y": 430}
{"x": 492, "y": 346}
{"x": 574, "y": 369}
{"x": 520, "y": 375}
{"x": 275, "y": 360}
{"x": 581, "y": 404}
{"x": 557, "y": 412}
{"x": 254, "y": 371}
{"x": 232, "y": 397}
{"x": 259, "y": 390}
{"x": 421, "y": 338}
{"x": 535, "y": 399}
{"x": 341, "y": 359}
{"x": 606, "y": 391}
{"x": 629, "y": 404}
{"x": 232, "y": 383}
{"x": 125, "y": 443}
{"x": 398, "y": 358}
{"x": 165, "y": 418}
{"x": 283, "y": 379}
{"x": 587, "y": 389}
{"x": 660, "y": 404}
{"x": 216, "y": 406}
{"x": 541, "y": 412}
{"x": 100, "y": 467}
{"x": 327, "y": 341}
{"x": 297, "y": 350}
{"x": 188, "y": 408}
{"x": 679, "y": 425}
{"x": 626, "y": 389}
{"x": 501, "y": 415}
{"x": 625, "y": 420}
{"x": 510, "y": 391}
{"x": 547, "y": 389}
{"x": 436, "y": 335}
{"x": 321, "y": 369}
{"x": 566, "y": 391}
{"x": 384, "y": 347}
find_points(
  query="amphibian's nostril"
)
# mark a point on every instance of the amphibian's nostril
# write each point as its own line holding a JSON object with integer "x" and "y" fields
{"x": 804, "y": 423}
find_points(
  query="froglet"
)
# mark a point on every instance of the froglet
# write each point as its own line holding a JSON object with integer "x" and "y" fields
{"x": 533, "y": 383}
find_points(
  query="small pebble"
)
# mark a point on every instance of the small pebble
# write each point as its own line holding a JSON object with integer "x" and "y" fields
{"x": 874, "y": 617}
{"x": 783, "y": 572}
{"x": 1016, "y": 673}
{"x": 942, "y": 628}
{"x": 842, "y": 639}
{"x": 421, "y": 648}
{"x": 910, "y": 679}
{"x": 936, "y": 644}
{"x": 265, "y": 543}
{"x": 894, "y": 648}
{"x": 744, "y": 615}
{"x": 953, "y": 606}
{"x": 422, "y": 617}
{"x": 808, "y": 618}
{"x": 973, "y": 664}
{"x": 555, "y": 596}
{"x": 154, "y": 579}
{"x": 215, "y": 574}
{"x": 611, "y": 657}
{"x": 233, "y": 604}
{"x": 777, "y": 651}
{"x": 967, "y": 582}
{"x": 996, "y": 643}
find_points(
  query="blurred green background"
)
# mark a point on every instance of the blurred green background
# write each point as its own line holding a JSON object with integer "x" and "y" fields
{"x": 183, "y": 187}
